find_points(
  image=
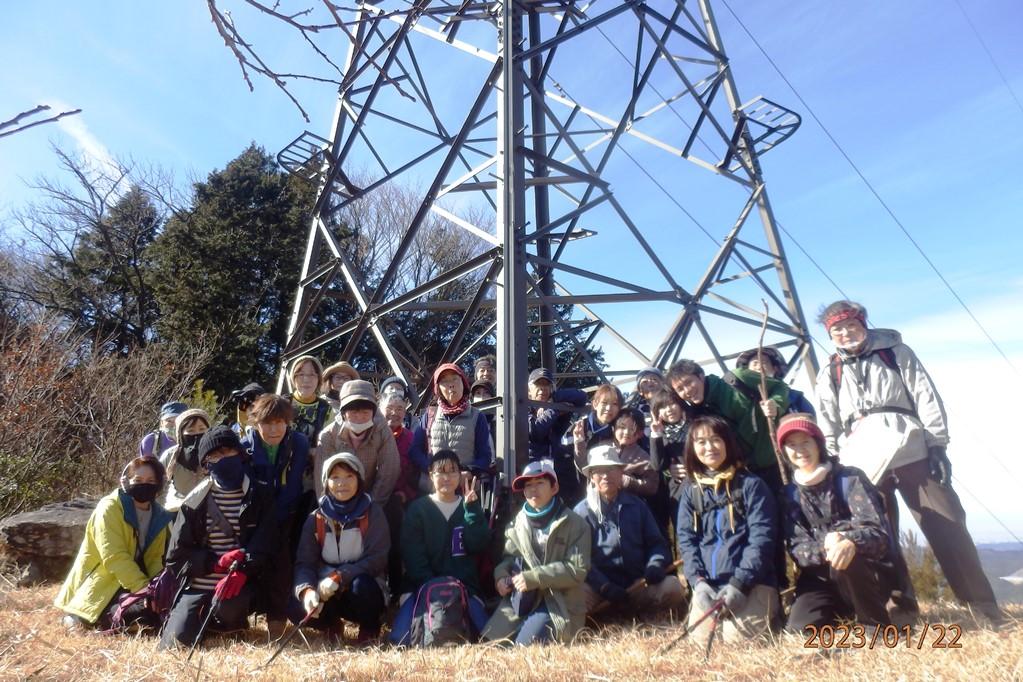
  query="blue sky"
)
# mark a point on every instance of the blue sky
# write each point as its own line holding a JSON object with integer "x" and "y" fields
{"x": 905, "y": 87}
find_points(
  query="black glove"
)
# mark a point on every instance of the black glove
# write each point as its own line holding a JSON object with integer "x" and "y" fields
{"x": 654, "y": 574}
{"x": 614, "y": 594}
{"x": 941, "y": 468}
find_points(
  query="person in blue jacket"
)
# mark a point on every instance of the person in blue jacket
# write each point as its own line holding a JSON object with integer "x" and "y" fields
{"x": 727, "y": 529}
{"x": 627, "y": 547}
{"x": 547, "y": 426}
{"x": 279, "y": 456}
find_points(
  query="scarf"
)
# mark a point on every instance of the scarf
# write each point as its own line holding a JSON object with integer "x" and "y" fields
{"x": 675, "y": 433}
{"x": 345, "y": 512}
{"x": 814, "y": 477}
{"x": 715, "y": 479}
{"x": 456, "y": 409}
{"x": 541, "y": 518}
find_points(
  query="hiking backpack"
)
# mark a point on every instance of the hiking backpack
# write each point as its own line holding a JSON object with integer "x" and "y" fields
{"x": 887, "y": 356}
{"x": 441, "y": 614}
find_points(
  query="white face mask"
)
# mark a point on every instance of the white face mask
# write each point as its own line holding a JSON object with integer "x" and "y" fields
{"x": 358, "y": 427}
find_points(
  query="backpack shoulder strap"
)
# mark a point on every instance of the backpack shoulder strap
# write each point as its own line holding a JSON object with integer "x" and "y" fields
{"x": 835, "y": 369}
{"x": 887, "y": 356}
{"x": 364, "y": 525}
{"x": 321, "y": 529}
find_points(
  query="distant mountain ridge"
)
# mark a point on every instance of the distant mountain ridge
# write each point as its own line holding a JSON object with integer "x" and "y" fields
{"x": 1003, "y": 559}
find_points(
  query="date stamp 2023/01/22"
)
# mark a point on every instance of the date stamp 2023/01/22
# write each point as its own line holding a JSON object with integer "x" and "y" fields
{"x": 856, "y": 636}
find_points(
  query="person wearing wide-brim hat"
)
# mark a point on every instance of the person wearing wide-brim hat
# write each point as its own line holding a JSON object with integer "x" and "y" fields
{"x": 361, "y": 428}
{"x": 334, "y": 377}
{"x": 546, "y": 558}
{"x": 121, "y": 552}
{"x": 628, "y": 548}
{"x": 341, "y": 565}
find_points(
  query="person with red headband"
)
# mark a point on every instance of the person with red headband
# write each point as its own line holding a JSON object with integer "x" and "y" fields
{"x": 879, "y": 411}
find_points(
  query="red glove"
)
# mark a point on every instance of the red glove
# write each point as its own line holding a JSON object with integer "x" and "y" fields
{"x": 230, "y": 586}
{"x": 224, "y": 562}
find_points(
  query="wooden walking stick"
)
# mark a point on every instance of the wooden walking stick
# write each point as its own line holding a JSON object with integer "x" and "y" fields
{"x": 763, "y": 397}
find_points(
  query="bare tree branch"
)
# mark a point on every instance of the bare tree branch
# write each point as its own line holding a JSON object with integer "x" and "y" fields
{"x": 31, "y": 112}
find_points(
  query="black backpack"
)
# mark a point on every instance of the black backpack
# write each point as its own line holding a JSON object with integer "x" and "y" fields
{"x": 441, "y": 614}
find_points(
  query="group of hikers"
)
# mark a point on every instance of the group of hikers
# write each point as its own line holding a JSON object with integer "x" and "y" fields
{"x": 332, "y": 506}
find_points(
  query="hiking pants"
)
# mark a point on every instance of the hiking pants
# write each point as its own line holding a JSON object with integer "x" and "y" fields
{"x": 824, "y": 596}
{"x": 942, "y": 520}
{"x": 752, "y": 621}
{"x": 188, "y": 614}
{"x": 361, "y": 603}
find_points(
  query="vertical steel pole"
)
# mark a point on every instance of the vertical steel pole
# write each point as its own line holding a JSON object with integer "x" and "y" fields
{"x": 541, "y": 197}
{"x": 512, "y": 330}
{"x": 763, "y": 203}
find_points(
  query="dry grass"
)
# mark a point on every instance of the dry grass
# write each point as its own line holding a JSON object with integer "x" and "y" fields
{"x": 33, "y": 645}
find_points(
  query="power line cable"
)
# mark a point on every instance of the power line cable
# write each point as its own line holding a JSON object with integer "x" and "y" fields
{"x": 988, "y": 510}
{"x": 990, "y": 56}
{"x": 877, "y": 196}
{"x": 882, "y": 202}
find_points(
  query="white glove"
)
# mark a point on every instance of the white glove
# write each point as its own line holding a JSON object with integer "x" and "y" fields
{"x": 327, "y": 588}
{"x": 311, "y": 601}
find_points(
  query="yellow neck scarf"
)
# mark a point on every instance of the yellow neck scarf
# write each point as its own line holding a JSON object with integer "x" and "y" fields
{"x": 715, "y": 481}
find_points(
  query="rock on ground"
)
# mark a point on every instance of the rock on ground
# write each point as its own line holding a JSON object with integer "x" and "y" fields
{"x": 44, "y": 542}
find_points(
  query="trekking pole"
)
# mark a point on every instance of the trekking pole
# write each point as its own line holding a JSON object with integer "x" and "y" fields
{"x": 298, "y": 628}
{"x": 636, "y": 587}
{"x": 291, "y": 635}
{"x": 214, "y": 604}
{"x": 763, "y": 396}
{"x": 714, "y": 608}
{"x": 713, "y": 631}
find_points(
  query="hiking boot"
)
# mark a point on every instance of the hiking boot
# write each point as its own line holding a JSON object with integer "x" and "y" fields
{"x": 276, "y": 628}
{"x": 73, "y": 624}
{"x": 987, "y": 614}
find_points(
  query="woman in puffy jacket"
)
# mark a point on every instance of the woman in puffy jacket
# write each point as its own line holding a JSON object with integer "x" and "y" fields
{"x": 727, "y": 528}
{"x": 453, "y": 423}
{"x": 181, "y": 460}
{"x": 122, "y": 550}
{"x": 341, "y": 568}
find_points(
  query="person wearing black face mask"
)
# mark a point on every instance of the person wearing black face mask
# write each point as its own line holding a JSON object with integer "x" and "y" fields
{"x": 182, "y": 459}
{"x": 221, "y": 543}
{"x": 122, "y": 550}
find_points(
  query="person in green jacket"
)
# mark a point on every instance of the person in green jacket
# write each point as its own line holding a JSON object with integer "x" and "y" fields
{"x": 547, "y": 557}
{"x": 123, "y": 549}
{"x": 443, "y": 534}
{"x": 736, "y": 397}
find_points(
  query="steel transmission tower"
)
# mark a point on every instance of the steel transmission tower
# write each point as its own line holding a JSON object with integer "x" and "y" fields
{"x": 598, "y": 139}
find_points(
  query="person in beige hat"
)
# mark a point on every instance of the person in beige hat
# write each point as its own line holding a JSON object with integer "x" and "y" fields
{"x": 359, "y": 427}
{"x": 334, "y": 377}
{"x": 630, "y": 557}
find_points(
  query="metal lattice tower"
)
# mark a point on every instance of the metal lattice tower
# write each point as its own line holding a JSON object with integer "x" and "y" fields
{"x": 545, "y": 115}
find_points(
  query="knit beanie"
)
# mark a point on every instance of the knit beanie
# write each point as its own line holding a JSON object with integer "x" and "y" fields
{"x": 218, "y": 437}
{"x": 801, "y": 422}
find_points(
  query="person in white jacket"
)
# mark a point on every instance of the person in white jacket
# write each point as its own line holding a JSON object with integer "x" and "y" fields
{"x": 880, "y": 412}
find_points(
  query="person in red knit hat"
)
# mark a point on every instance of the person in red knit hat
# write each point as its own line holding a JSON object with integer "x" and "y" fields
{"x": 836, "y": 532}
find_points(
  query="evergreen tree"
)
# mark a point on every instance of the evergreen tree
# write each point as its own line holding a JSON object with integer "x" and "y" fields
{"x": 226, "y": 269}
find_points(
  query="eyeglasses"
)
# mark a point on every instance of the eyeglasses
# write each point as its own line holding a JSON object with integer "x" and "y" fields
{"x": 306, "y": 375}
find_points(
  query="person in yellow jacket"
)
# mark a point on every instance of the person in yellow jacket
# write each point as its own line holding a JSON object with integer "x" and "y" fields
{"x": 123, "y": 548}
